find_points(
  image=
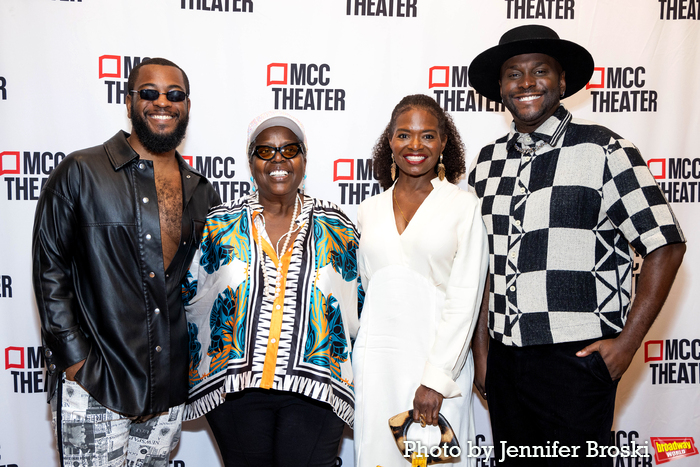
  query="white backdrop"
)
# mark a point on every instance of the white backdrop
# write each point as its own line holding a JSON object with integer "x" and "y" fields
{"x": 63, "y": 71}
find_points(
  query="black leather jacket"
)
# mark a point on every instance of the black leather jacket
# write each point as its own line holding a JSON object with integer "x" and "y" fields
{"x": 101, "y": 289}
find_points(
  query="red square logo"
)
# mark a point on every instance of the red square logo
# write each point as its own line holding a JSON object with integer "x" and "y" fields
{"x": 653, "y": 351}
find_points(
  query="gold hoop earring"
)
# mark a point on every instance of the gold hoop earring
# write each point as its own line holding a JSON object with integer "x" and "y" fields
{"x": 393, "y": 168}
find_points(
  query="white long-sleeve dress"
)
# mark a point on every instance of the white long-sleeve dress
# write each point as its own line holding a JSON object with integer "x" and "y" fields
{"x": 423, "y": 290}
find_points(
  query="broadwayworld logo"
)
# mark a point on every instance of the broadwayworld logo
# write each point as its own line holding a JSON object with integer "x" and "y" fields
{"x": 678, "y": 178}
{"x": 668, "y": 449}
{"x": 673, "y": 361}
{"x": 311, "y": 91}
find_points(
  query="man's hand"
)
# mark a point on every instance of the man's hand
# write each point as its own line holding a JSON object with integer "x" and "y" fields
{"x": 427, "y": 402}
{"x": 653, "y": 285}
{"x": 616, "y": 354}
{"x": 73, "y": 369}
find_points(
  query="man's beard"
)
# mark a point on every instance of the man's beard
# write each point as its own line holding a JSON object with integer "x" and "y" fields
{"x": 156, "y": 143}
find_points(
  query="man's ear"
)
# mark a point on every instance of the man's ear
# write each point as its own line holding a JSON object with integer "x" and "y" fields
{"x": 562, "y": 83}
{"x": 127, "y": 101}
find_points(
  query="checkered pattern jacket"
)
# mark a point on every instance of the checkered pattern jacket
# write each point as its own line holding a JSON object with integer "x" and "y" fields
{"x": 562, "y": 225}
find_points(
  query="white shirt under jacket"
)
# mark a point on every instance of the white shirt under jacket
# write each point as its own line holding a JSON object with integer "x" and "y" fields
{"x": 423, "y": 291}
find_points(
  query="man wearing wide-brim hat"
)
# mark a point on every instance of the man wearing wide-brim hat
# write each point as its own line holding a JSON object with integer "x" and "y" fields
{"x": 565, "y": 202}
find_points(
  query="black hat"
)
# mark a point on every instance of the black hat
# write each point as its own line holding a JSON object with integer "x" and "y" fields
{"x": 485, "y": 70}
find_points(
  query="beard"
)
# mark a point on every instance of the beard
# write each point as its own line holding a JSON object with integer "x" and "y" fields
{"x": 549, "y": 104}
{"x": 158, "y": 143}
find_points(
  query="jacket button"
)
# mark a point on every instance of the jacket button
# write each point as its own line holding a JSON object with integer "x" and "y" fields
{"x": 142, "y": 165}
{"x": 188, "y": 176}
{"x": 145, "y": 200}
{"x": 52, "y": 368}
{"x": 158, "y": 348}
{"x": 151, "y": 274}
{"x": 48, "y": 353}
{"x": 148, "y": 236}
{"x": 156, "y": 311}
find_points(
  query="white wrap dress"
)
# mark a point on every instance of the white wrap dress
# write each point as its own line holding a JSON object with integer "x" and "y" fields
{"x": 423, "y": 291}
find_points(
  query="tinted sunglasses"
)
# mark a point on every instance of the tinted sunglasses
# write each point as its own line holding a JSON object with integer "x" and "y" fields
{"x": 173, "y": 95}
{"x": 288, "y": 151}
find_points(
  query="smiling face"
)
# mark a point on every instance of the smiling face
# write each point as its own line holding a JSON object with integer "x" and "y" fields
{"x": 531, "y": 86}
{"x": 277, "y": 177}
{"x": 158, "y": 125}
{"x": 417, "y": 144}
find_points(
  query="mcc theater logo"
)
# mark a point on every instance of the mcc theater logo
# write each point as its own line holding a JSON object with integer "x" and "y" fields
{"x": 452, "y": 93}
{"x": 26, "y": 172}
{"x": 220, "y": 171}
{"x": 119, "y": 68}
{"x": 621, "y": 90}
{"x": 5, "y": 286}
{"x": 236, "y": 6}
{"x": 397, "y": 8}
{"x": 678, "y": 177}
{"x": 674, "y": 10}
{"x": 357, "y": 181}
{"x": 673, "y": 361}
{"x": 26, "y": 365}
{"x": 304, "y": 86}
{"x": 540, "y": 9}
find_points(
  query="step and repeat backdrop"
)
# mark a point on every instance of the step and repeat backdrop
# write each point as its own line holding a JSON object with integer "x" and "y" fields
{"x": 340, "y": 66}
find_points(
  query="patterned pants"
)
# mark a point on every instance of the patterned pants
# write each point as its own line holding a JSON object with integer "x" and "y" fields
{"x": 95, "y": 436}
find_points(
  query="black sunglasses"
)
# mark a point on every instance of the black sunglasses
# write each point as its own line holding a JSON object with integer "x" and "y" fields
{"x": 151, "y": 94}
{"x": 288, "y": 151}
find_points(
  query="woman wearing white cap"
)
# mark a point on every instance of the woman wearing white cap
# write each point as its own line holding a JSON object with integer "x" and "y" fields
{"x": 272, "y": 305}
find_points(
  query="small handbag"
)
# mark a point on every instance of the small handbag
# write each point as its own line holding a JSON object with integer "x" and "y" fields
{"x": 448, "y": 448}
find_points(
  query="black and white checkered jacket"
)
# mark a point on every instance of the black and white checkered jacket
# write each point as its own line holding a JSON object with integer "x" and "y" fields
{"x": 562, "y": 223}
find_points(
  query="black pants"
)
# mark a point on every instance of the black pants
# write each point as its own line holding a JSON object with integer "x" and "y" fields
{"x": 260, "y": 428}
{"x": 544, "y": 394}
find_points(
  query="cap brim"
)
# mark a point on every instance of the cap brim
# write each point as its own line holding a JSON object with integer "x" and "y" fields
{"x": 272, "y": 119}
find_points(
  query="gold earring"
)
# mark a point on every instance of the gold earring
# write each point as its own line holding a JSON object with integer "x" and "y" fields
{"x": 393, "y": 168}
{"x": 441, "y": 169}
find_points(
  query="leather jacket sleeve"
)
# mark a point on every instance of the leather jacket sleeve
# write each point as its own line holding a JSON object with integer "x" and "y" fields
{"x": 52, "y": 251}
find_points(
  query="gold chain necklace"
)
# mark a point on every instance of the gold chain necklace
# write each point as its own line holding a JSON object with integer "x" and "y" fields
{"x": 399, "y": 206}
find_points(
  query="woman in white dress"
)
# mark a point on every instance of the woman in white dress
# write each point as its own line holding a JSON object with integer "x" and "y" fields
{"x": 423, "y": 258}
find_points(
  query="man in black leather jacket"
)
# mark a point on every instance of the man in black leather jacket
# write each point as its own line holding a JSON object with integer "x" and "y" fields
{"x": 115, "y": 230}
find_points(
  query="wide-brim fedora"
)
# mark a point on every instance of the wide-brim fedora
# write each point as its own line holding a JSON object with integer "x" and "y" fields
{"x": 485, "y": 69}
